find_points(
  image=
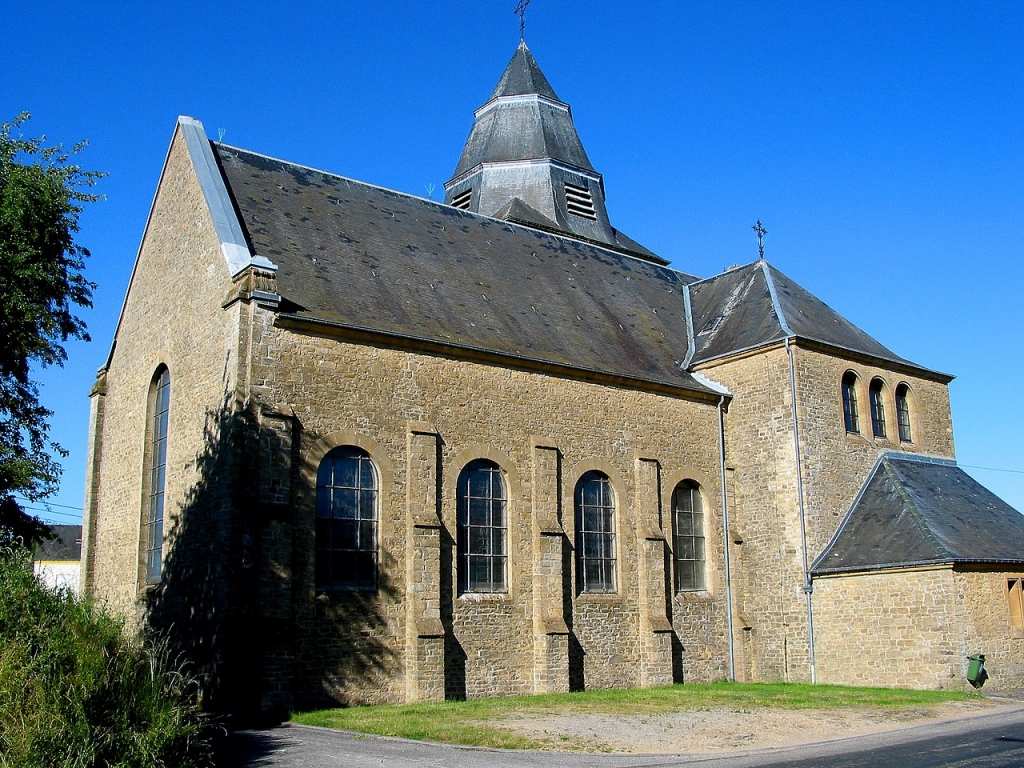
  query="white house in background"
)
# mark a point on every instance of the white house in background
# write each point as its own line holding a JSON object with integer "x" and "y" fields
{"x": 57, "y": 561}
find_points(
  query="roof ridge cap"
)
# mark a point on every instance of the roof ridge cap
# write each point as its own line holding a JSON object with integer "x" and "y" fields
{"x": 330, "y": 173}
{"x": 912, "y": 507}
{"x": 724, "y": 273}
{"x": 776, "y": 305}
{"x": 920, "y": 458}
{"x": 691, "y": 339}
{"x": 848, "y": 515}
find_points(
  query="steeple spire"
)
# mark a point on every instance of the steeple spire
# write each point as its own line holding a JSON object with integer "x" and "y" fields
{"x": 524, "y": 162}
{"x": 523, "y": 76}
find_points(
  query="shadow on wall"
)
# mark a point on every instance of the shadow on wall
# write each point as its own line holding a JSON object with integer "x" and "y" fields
{"x": 347, "y": 658}
{"x": 236, "y": 601}
{"x": 577, "y": 654}
{"x": 191, "y": 609}
{"x": 454, "y": 654}
{"x": 678, "y": 650}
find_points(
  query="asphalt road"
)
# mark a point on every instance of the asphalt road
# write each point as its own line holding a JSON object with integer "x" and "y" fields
{"x": 989, "y": 741}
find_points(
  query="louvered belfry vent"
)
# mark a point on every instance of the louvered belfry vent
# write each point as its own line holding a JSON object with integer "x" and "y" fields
{"x": 579, "y": 202}
{"x": 462, "y": 199}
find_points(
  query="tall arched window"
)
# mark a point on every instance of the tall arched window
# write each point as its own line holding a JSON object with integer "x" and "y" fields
{"x": 346, "y": 521}
{"x": 482, "y": 528}
{"x": 595, "y": 534}
{"x": 903, "y": 412}
{"x": 851, "y": 413}
{"x": 688, "y": 533}
{"x": 156, "y": 471}
{"x": 877, "y": 395}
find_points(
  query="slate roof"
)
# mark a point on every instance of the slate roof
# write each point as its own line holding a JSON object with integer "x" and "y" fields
{"x": 755, "y": 305}
{"x": 917, "y": 511}
{"x": 65, "y": 546}
{"x": 364, "y": 257}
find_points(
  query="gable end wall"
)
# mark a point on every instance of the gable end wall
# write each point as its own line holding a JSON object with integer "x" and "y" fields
{"x": 172, "y": 316}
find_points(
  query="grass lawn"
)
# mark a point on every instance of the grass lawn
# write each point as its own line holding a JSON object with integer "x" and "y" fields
{"x": 468, "y": 722}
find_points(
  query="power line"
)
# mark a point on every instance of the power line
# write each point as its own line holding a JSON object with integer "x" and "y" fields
{"x": 52, "y": 504}
{"x": 993, "y": 469}
{"x": 55, "y": 514}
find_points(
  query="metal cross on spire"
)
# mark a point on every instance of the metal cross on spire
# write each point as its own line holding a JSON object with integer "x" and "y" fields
{"x": 521, "y": 10}
{"x": 760, "y": 231}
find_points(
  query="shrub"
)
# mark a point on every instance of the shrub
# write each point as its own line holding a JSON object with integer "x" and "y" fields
{"x": 77, "y": 692}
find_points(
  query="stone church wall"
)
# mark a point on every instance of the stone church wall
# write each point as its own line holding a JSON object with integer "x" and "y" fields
{"x": 917, "y": 629}
{"x": 770, "y": 614}
{"x": 245, "y": 442}
{"x": 896, "y": 629}
{"x": 836, "y": 463}
{"x": 422, "y": 418}
{"x": 770, "y": 606}
{"x": 987, "y": 629}
{"x": 173, "y": 316}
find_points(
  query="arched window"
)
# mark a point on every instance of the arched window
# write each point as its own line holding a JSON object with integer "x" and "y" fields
{"x": 903, "y": 412}
{"x": 156, "y": 476}
{"x": 482, "y": 528}
{"x": 688, "y": 533}
{"x": 595, "y": 534}
{"x": 851, "y": 413}
{"x": 877, "y": 393}
{"x": 346, "y": 521}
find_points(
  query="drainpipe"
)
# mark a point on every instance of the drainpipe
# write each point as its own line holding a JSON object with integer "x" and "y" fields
{"x": 725, "y": 537}
{"x": 800, "y": 502}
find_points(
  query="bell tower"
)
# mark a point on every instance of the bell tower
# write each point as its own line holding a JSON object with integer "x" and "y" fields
{"x": 525, "y": 163}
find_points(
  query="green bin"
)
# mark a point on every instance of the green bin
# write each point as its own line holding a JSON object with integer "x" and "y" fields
{"x": 976, "y": 674}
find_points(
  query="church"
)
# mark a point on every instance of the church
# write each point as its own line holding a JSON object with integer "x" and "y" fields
{"x": 353, "y": 446}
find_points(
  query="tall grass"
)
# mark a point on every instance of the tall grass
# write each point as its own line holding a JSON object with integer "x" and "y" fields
{"x": 77, "y": 692}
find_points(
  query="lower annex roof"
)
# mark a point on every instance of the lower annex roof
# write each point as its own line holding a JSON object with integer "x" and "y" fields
{"x": 915, "y": 510}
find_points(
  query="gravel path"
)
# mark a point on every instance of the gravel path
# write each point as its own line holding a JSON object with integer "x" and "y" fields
{"x": 982, "y": 735}
{"x": 721, "y": 730}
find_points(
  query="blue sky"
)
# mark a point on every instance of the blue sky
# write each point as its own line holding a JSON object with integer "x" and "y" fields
{"x": 882, "y": 145}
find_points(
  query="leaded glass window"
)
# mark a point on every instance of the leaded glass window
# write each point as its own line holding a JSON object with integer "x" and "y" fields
{"x": 154, "y": 529}
{"x": 346, "y": 521}
{"x": 851, "y": 412}
{"x": 877, "y": 408}
{"x": 482, "y": 529}
{"x": 903, "y": 412}
{"x": 688, "y": 533}
{"x": 595, "y": 534}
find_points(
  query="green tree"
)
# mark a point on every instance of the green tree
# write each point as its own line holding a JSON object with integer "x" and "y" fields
{"x": 42, "y": 193}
